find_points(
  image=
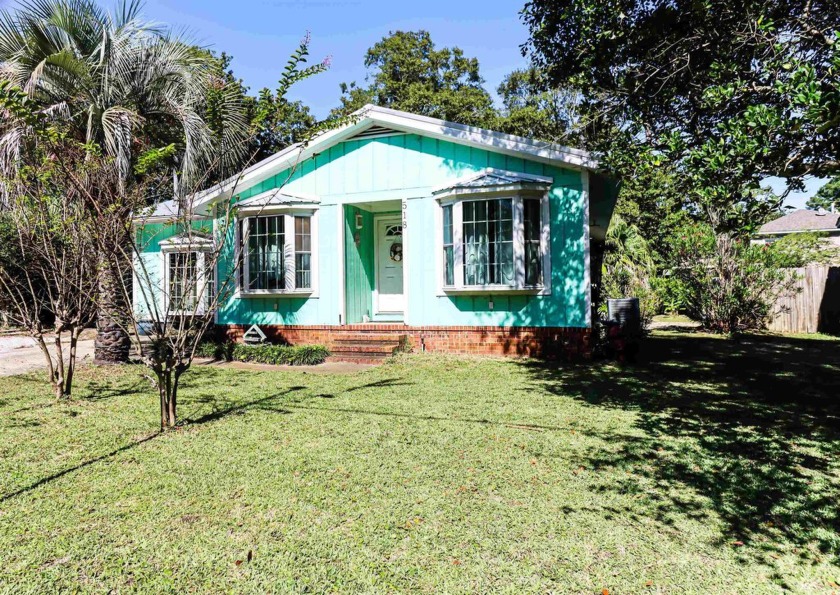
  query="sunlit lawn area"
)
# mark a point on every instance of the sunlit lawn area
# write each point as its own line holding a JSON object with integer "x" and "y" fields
{"x": 710, "y": 467}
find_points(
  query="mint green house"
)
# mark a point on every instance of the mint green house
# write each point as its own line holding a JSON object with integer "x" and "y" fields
{"x": 401, "y": 226}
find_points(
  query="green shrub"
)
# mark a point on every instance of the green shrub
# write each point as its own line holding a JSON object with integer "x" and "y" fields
{"x": 266, "y": 353}
{"x": 728, "y": 284}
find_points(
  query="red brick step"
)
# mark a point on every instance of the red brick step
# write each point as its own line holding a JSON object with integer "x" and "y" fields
{"x": 365, "y": 347}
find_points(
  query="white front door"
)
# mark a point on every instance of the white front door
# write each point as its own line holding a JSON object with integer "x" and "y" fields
{"x": 389, "y": 267}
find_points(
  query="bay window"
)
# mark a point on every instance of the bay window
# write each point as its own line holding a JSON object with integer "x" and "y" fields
{"x": 494, "y": 241}
{"x": 532, "y": 238}
{"x": 488, "y": 242}
{"x": 448, "y": 247}
{"x": 277, "y": 253}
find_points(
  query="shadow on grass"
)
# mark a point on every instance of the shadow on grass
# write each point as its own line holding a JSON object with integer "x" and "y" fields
{"x": 414, "y": 416}
{"x": 745, "y": 431}
{"x": 69, "y": 470}
{"x": 220, "y": 410}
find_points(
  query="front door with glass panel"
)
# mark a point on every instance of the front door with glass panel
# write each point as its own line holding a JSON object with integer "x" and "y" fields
{"x": 389, "y": 298}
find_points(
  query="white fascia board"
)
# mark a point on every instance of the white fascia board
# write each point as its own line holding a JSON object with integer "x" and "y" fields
{"x": 277, "y": 163}
{"x": 517, "y": 189}
{"x": 473, "y": 136}
{"x": 136, "y": 221}
{"x": 196, "y": 242}
{"x": 490, "y": 140}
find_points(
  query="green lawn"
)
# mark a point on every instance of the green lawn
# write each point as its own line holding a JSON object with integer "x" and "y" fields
{"x": 710, "y": 467}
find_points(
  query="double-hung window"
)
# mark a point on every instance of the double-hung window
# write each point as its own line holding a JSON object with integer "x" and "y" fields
{"x": 277, "y": 252}
{"x": 494, "y": 236}
{"x": 487, "y": 238}
{"x": 189, "y": 275}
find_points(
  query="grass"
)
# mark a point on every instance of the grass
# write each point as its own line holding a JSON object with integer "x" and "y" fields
{"x": 709, "y": 467}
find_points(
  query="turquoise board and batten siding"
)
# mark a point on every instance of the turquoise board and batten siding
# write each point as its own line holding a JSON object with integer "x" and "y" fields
{"x": 408, "y": 167}
{"x": 148, "y": 240}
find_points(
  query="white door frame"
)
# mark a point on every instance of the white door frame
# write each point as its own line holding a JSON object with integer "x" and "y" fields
{"x": 396, "y": 218}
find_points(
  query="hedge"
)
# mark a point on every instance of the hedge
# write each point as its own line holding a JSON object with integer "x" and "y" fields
{"x": 293, "y": 355}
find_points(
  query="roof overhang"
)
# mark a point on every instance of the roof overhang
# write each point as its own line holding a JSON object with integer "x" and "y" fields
{"x": 494, "y": 181}
{"x": 274, "y": 199}
{"x": 369, "y": 116}
{"x": 192, "y": 242}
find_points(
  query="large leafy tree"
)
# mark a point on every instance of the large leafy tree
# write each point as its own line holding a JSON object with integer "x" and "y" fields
{"x": 827, "y": 197}
{"x": 122, "y": 84}
{"x": 533, "y": 108}
{"x": 407, "y": 72}
{"x": 726, "y": 92}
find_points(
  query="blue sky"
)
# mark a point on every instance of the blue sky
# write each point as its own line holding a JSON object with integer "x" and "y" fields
{"x": 260, "y": 34}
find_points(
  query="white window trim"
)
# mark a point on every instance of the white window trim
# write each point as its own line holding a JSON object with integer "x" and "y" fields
{"x": 289, "y": 213}
{"x": 201, "y": 248}
{"x": 518, "y": 287}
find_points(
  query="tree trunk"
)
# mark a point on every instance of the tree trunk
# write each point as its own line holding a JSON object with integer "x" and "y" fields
{"x": 58, "y": 379}
{"x": 113, "y": 343}
{"x": 168, "y": 381}
{"x": 71, "y": 361}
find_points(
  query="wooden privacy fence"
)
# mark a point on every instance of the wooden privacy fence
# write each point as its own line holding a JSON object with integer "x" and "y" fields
{"x": 815, "y": 307}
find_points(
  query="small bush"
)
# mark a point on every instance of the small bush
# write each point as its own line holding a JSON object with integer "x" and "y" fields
{"x": 292, "y": 355}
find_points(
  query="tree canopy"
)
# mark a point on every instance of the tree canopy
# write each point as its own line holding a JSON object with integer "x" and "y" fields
{"x": 407, "y": 72}
{"x": 827, "y": 197}
{"x": 731, "y": 92}
{"x": 533, "y": 109}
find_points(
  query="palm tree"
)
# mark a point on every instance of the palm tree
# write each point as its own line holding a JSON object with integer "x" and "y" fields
{"x": 121, "y": 83}
{"x": 629, "y": 267}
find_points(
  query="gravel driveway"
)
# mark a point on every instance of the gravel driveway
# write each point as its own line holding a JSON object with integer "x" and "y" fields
{"x": 20, "y": 354}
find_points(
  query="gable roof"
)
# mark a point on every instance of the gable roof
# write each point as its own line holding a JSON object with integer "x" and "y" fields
{"x": 802, "y": 220}
{"x": 380, "y": 120}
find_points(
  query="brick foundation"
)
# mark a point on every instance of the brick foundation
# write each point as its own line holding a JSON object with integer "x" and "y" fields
{"x": 548, "y": 342}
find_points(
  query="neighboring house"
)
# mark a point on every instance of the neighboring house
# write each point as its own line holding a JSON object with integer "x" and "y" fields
{"x": 400, "y": 226}
{"x": 801, "y": 221}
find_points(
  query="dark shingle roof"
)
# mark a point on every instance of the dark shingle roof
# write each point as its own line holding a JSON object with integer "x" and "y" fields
{"x": 803, "y": 220}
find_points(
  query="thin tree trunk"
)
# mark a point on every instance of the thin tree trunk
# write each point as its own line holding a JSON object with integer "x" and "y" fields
{"x": 71, "y": 361}
{"x": 58, "y": 379}
{"x": 113, "y": 343}
{"x": 163, "y": 389}
{"x": 51, "y": 370}
{"x": 173, "y": 398}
